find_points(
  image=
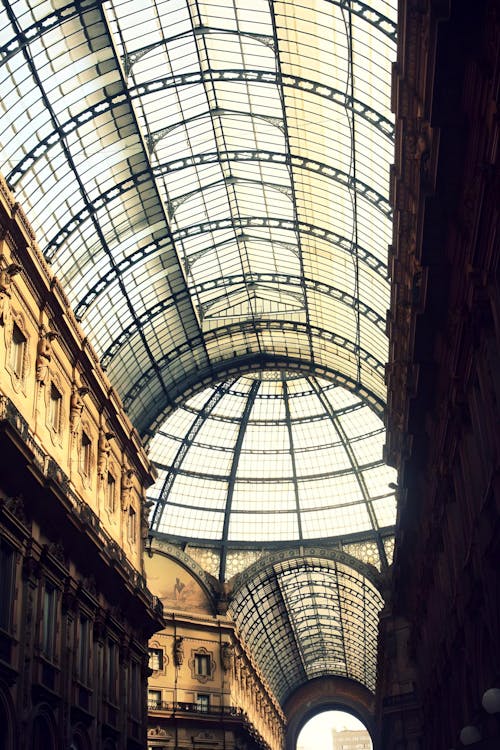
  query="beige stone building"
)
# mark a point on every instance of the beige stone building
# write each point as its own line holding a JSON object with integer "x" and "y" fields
{"x": 351, "y": 739}
{"x": 205, "y": 690}
{"x": 76, "y": 613}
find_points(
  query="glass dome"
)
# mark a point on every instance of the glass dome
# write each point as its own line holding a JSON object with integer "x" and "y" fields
{"x": 271, "y": 457}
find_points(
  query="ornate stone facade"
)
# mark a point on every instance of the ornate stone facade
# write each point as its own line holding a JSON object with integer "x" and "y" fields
{"x": 204, "y": 682}
{"x": 75, "y": 610}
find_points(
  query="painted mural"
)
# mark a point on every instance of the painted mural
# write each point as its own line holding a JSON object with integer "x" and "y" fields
{"x": 174, "y": 585}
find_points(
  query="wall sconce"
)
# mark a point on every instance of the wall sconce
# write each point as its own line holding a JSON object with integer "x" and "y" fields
{"x": 470, "y": 735}
{"x": 491, "y": 700}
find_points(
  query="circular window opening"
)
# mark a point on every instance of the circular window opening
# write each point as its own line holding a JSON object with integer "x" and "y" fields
{"x": 334, "y": 730}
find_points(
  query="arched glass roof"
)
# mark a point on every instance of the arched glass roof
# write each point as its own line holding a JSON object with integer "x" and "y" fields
{"x": 271, "y": 457}
{"x": 209, "y": 181}
{"x": 309, "y": 617}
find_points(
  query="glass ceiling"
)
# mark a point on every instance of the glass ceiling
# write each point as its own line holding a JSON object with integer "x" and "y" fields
{"x": 271, "y": 457}
{"x": 307, "y": 618}
{"x": 210, "y": 182}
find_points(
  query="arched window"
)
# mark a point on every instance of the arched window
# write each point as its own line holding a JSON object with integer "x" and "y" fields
{"x": 43, "y": 733}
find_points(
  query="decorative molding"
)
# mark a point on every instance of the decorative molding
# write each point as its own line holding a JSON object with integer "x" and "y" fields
{"x": 16, "y": 506}
{"x": 18, "y": 381}
{"x": 203, "y": 678}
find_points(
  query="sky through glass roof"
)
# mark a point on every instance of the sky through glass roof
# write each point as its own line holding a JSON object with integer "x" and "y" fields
{"x": 210, "y": 182}
{"x": 271, "y": 457}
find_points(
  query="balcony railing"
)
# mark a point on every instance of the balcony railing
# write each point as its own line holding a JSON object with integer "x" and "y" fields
{"x": 182, "y": 707}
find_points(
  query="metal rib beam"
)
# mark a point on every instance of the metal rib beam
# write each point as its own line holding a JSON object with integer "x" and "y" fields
{"x": 289, "y": 300}
{"x": 52, "y": 20}
{"x": 192, "y": 258}
{"x": 290, "y": 167}
{"x": 251, "y": 326}
{"x": 272, "y": 222}
{"x": 288, "y": 420}
{"x": 190, "y": 435}
{"x": 243, "y": 363}
{"x": 252, "y": 480}
{"x": 111, "y": 102}
{"x": 257, "y": 607}
{"x": 36, "y": 30}
{"x": 323, "y": 636}
{"x": 289, "y": 618}
{"x": 343, "y": 539}
{"x": 131, "y": 58}
{"x": 353, "y": 166}
{"x": 236, "y": 75}
{"x": 371, "y": 15}
{"x": 153, "y": 248}
{"x": 368, "y": 13}
{"x": 355, "y": 465}
{"x": 174, "y": 203}
{"x": 297, "y": 162}
{"x": 215, "y": 371}
{"x": 121, "y": 188}
{"x": 232, "y": 475}
{"x": 157, "y": 136}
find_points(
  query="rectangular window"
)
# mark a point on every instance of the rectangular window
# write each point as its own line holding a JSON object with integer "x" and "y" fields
{"x": 131, "y": 525}
{"x": 85, "y": 450}
{"x": 155, "y": 659}
{"x": 55, "y": 408}
{"x": 83, "y": 649}
{"x": 7, "y": 586}
{"x": 202, "y": 664}
{"x": 135, "y": 687}
{"x": 18, "y": 351}
{"x": 154, "y": 699}
{"x": 110, "y": 675}
{"x": 49, "y": 620}
{"x": 111, "y": 493}
{"x": 202, "y": 702}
